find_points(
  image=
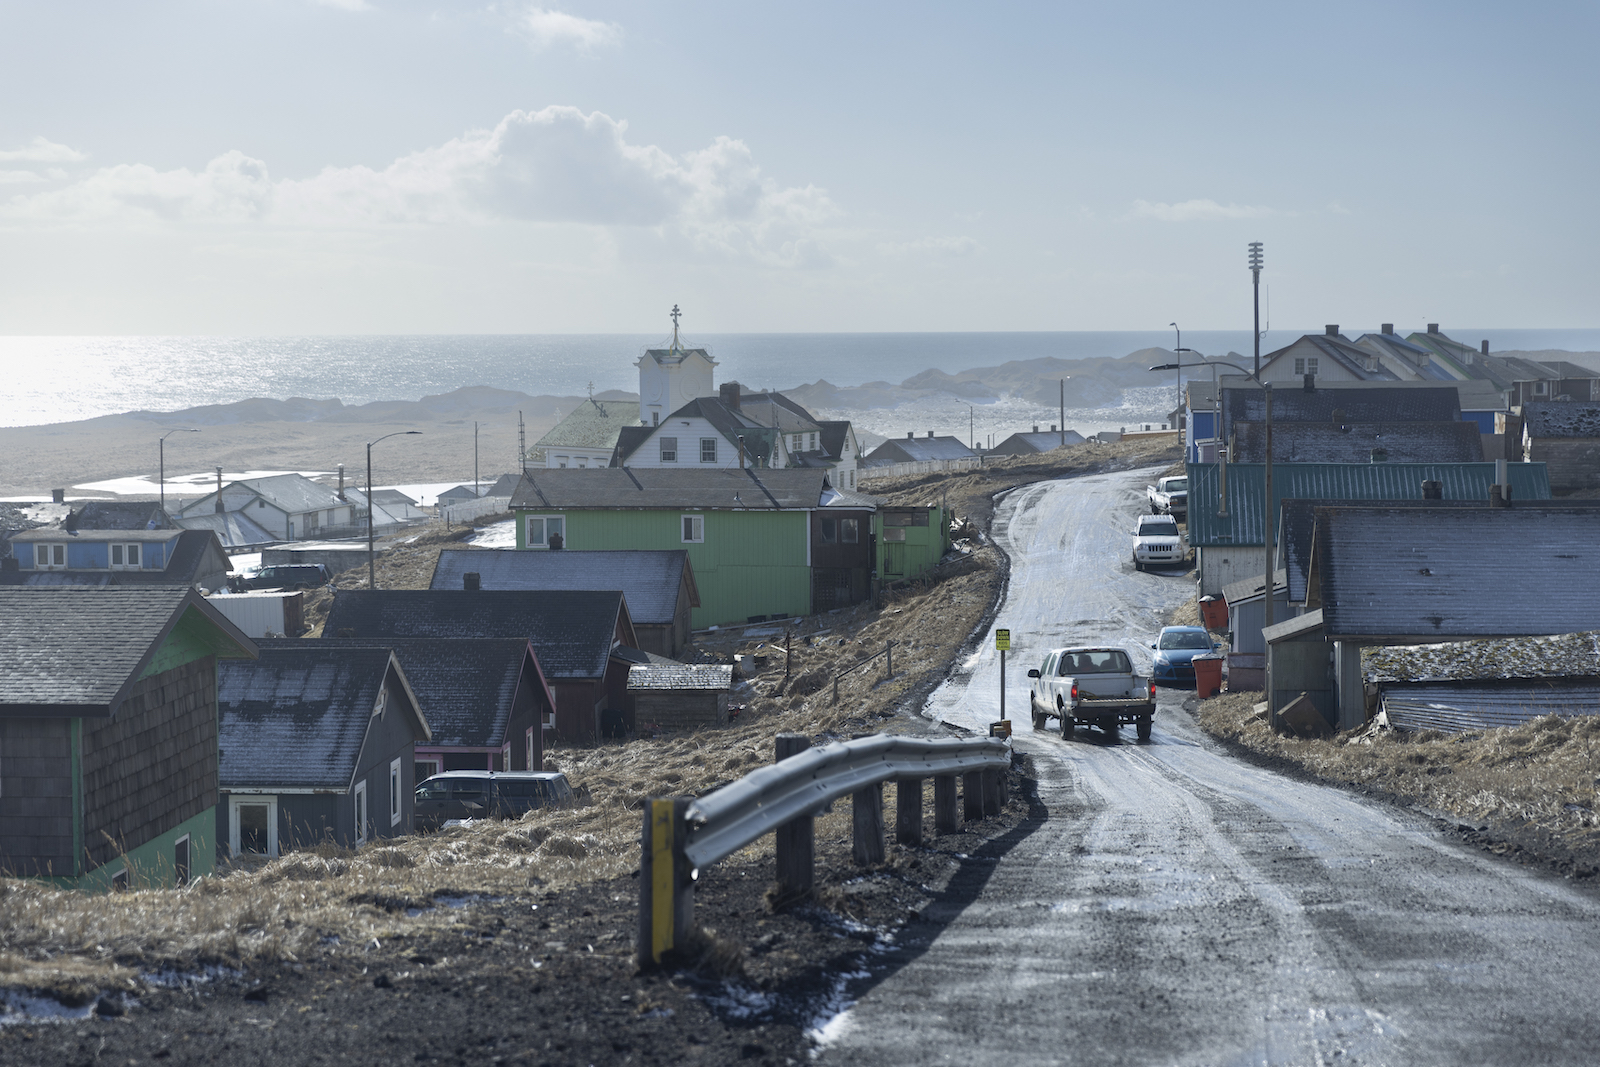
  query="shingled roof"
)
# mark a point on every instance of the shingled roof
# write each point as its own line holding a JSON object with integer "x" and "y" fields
{"x": 77, "y": 651}
{"x": 649, "y": 579}
{"x": 297, "y": 717}
{"x": 1561, "y": 419}
{"x": 571, "y": 630}
{"x": 592, "y": 424}
{"x": 1354, "y": 442}
{"x": 724, "y": 488}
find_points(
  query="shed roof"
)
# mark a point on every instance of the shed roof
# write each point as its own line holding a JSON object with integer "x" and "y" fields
{"x": 298, "y": 716}
{"x": 1335, "y": 481}
{"x": 917, "y": 450}
{"x": 77, "y": 650}
{"x": 1552, "y": 656}
{"x": 1354, "y": 442}
{"x": 683, "y": 676}
{"x": 720, "y": 488}
{"x": 1433, "y": 573}
{"x": 1383, "y": 403}
{"x": 234, "y": 529}
{"x": 118, "y": 515}
{"x": 572, "y": 631}
{"x": 592, "y": 424}
{"x": 1561, "y": 418}
{"x": 649, "y": 579}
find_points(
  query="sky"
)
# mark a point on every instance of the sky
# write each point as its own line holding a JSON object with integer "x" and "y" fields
{"x": 274, "y": 167}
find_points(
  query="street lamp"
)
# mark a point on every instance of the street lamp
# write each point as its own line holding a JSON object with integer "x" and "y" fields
{"x": 1176, "y": 351}
{"x": 161, "y": 450}
{"x": 372, "y": 569}
{"x": 1255, "y": 277}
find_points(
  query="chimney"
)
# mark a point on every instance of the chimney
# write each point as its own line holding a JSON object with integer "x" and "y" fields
{"x": 730, "y": 394}
{"x": 341, "y": 483}
{"x": 1485, "y": 348}
{"x": 472, "y": 580}
{"x": 1311, "y": 383}
{"x": 1387, "y": 328}
{"x": 741, "y": 448}
{"x": 1433, "y": 327}
{"x": 1052, "y": 427}
{"x": 1332, "y": 329}
{"x": 218, "y": 507}
{"x": 1036, "y": 427}
{"x": 911, "y": 435}
{"x": 930, "y": 435}
{"x": 58, "y": 496}
{"x": 1380, "y": 455}
{"x": 1432, "y": 490}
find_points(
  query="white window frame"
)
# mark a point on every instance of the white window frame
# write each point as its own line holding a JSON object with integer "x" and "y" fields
{"x": 853, "y": 527}
{"x": 693, "y": 529}
{"x": 397, "y": 787}
{"x": 528, "y": 752}
{"x": 668, "y": 455}
{"x": 49, "y": 556}
{"x": 238, "y": 800}
{"x": 543, "y": 540}
{"x": 360, "y": 811}
{"x": 813, "y": 443}
{"x": 712, "y": 443}
{"x": 121, "y": 882}
{"x": 188, "y": 875}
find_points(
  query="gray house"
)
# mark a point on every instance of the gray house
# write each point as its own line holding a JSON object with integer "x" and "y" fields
{"x": 914, "y": 449}
{"x": 1565, "y": 437}
{"x": 316, "y": 744}
{"x": 1031, "y": 444}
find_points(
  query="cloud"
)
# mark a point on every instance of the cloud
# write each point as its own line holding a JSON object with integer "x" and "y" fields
{"x": 932, "y": 246}
{"x": 545, "y": 29}
{"x": 554, "y": 166}
{"x": 1198, "y": 211}
{"x": 20, "y": 177}
{"x": 345, "y": 5}
{"x": 40, "y": 150}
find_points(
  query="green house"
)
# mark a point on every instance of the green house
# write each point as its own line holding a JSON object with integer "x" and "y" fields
{"x": 108, "y": 732}
{"x": 912, "y": 540}
{"x": 763, "y": 544}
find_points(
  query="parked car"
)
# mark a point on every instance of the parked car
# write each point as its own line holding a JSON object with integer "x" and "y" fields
{"x": 1169, "y": 496}
{"x": 282, "y": 576}
{"x": 1175, "y": 649}
{"x": 486, "y": 795}
{"x": 1091, "y": 686}
{"x": 1157, "y": 543}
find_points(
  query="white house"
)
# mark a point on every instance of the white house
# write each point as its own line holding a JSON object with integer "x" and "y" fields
{"x": 291, "y": 507}
{"x": 671, "y": 377}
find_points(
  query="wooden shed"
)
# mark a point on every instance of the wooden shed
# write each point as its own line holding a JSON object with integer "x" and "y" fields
{"x": 681, "y": 696}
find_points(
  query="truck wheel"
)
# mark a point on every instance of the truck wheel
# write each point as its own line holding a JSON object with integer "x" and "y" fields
{"x": 1066, "y": 725}
{"x": 1144, "y": 727}
{"x": 1109, "y": 725}
{"x": 1038, "y": 720}
{"x": 1137, "y": 565}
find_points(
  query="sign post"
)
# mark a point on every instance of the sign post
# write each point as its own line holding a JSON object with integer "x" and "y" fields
{"x": 1002, "y": 641}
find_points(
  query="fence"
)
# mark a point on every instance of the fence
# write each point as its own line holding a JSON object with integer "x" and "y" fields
{"x": 468, "y": 510}
{"x": 927, "y": 466}
{"x": 682, "y": 835}
{"x": 888, "y": 671}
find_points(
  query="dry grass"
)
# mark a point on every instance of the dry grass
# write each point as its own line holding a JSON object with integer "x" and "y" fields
{"x": 1542, "y": 773}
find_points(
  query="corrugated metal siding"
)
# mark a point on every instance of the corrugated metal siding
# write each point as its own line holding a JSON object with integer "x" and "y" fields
{"x": 1458, "y": 709}
{"x": 1336, "y": 481}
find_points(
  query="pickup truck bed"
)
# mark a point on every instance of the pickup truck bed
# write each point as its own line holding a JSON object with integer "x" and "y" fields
{"x": 1092, "y": 687}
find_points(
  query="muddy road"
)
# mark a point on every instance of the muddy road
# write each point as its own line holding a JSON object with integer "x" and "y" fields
{"x": 1174, "y": 905}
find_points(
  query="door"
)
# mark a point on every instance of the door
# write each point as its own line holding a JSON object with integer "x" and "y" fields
{"x": 894, "y": 559}
{"x": 361, "y": 812}
{"x": 253, "y": 825}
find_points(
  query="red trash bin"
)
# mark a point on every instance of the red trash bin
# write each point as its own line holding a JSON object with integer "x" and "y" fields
{"x": 1208, "y": 674}
{"x": 1214, "y": 613}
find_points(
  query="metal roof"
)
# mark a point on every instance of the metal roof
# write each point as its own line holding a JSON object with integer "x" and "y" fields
{"x": 1025, "y": 444}
{"x": 1463, "y": 707}
{"x": 1441, "y": 573}
{"x": 234, "y": 529}
{"x": 917, "y": 450}
{"x": 649, "y": 579}
{"x": 1561, "y": 418}
{"x": 1383, "y": 403}
{"x": 1354, "y": 442}
{"x": 592, "y": 424}
{"x": 719, "y": 488}
{"x": 698, "y": 676}
{"x": 1335, "y": 482}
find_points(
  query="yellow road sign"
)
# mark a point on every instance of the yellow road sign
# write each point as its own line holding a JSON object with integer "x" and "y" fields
{"x": 1002, "y": 640}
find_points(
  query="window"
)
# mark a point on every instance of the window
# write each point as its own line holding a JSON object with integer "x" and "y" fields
{"x": 561, "y": 461}
{"x": 813, "y": 442}
{"x": 396, "y": 788}
{"x": 119, "y": 881}
{"x": 50, "y": 556}
{"x": 423, "y": 769}
{"x": 708, "y": 450}
{"x": 253, "y": 825}
{"x": 361, "y": 813}
{"x": 694, "y": 529}
{"x": 669, "y": 449}
{"x": 794, "y": 443}
{"x": 261, "y": 503}
{"x": 583, "y": 461}
{"x": 830, "y": 531}
{"x": 528, "y": 740}
{"x": 541, "y": 528}
{"x": 850, "y": 531}
{"x": 1306, "y": 366}
{"x": 180, "y": 860}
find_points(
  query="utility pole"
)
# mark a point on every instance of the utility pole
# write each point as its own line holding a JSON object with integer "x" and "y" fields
{"x": 1255, "y": 275}
{"x": 522, "y": 444}
{"x": 1063, "y": 422}
{"x": 476, "y": 482}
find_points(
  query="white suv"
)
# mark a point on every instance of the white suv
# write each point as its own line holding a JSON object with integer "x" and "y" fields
{"x": 1157, "y": 543}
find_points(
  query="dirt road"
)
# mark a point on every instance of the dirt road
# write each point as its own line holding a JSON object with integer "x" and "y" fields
{"x": 1174, "y": 905}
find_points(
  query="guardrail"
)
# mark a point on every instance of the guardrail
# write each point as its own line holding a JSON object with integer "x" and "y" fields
{"x": 888, "y": 670}
{"x": 683, "y": 835}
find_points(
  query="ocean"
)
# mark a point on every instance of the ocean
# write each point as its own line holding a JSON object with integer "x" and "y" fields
{"x": 63, "y": 379}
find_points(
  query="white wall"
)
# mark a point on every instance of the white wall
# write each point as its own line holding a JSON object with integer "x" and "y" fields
{"x": 688, "y": 432}
{"x": 1225, "y": 565}
{"x": 666, "y": 387}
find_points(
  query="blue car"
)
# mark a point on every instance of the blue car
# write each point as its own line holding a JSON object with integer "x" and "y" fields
{"x": 1176, "y": 648}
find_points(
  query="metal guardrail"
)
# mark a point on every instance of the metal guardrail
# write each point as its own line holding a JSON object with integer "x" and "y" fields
{"x": 683, "y": 835}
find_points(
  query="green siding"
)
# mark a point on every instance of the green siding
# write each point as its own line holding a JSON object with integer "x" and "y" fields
{"x": 923, "y": 547}
{"x": 751, "y": 562}
{"x": 150, "y": 866}
{"x": 195, "y": 637}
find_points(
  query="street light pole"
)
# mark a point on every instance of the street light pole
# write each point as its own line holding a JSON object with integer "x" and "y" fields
{"x": 372, "y": 567}
{"x": 161, "y": 473}
{"x": 1177, "y": 352}
{"x": 1255, "y": 277}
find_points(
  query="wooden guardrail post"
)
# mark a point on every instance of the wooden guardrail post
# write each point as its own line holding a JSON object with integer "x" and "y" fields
{"x": 666, "y": 883}
{"x": 972, "y": 796}
{"x": 795, "y": 840}
{"x": 1005, "y": 788}
{"x": 946, "y": 816}
{"x": 866, "y": 809}
{"x": 991, "y": 792}
{"x": 908, "y": 811}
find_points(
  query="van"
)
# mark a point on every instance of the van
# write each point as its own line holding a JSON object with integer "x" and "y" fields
{"x": 486, "y": 794}
{"x": 282, "y": 576}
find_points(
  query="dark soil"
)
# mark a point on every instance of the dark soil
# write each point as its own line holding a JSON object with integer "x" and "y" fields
{"x": 551, "y": 978}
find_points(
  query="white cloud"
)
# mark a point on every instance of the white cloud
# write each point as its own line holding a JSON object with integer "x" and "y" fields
{"x": 545, "y": 28}
{"x": 1198, "y": 211}
{"x": 19, "y": 177}
{"x": 932, "y": 246}
{"x": 345, "y": 5}
{"x": 40, "y": 150}
{"x": 555, "y": 166}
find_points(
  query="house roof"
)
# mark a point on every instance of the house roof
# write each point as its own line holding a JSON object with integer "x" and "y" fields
{"x": 714, "y": 488}
{"x": 777, "y": 410}
{"x": 1248, "y": 589}
{"x": 834, "y": 433}
{"x": 1555, "y": 656}
{"x": 294, "y": 493}
{"x": 682, "y": 676}
{"x": 649, "y": 579}
{"x": 193, "y": 555}
{"x": 1396, "y": 347}
{"x": 1335, "y": 481}
{"x": 916, "y": 450}
{"x": 628, "y": 442}
{"x": 235, "y": 529}
{"x": 1434, "y": 573}
{"x": 393, "y": 496}
{"x": 1341, "y": 351}
{"x": 298, "y": 716}
{"x": 1354, "y": 442}
{"x": 1379, "y": 404}
{"x": 731, "y": 424}
{"x": 571, "y": 630}
{"x": 1027, "y": 444}
{"x": 77, "y": 650}
{"x": 467, "y": 687}
{"x": 676, "y": 353}
{"x": 117, "y": 515}
{"x": 592, "y": 424}
{"x": 1472, "y": 395}
{"x": 1561, "y": 418}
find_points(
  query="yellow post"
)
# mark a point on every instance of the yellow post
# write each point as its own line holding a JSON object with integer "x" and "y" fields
{"x": 661, "y": 877}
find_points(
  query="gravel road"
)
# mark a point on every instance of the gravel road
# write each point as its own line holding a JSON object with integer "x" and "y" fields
{"x": 1176, "y": 906}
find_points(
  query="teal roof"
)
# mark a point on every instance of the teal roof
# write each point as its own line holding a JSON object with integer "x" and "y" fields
{"x": 592, "y": 424}
{"x": 1336, "y": 481}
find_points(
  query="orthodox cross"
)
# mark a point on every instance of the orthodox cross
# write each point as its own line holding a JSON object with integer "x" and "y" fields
{"x": 675, "y": 314}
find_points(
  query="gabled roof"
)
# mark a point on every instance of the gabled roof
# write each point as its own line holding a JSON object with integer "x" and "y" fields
{"x": 1343, "y": 352}
{"x": 917, "y": 450}
{"x": 1378, "y": 404}
{"x": 758, "y": 439}
{"x": 118, "y": 515}
{"x": 1027, "y": 444}
{"x": 395, "y": 496}
{"x": 294, "y": 493}
{"x": 834, "y": 434}
{"x": 649, "y": 579}
{"x": 297, "y": 717}
{"x": 1557, "y": 418}
{"x": 1354, "y": 442}
{"x": 592, "y": 424}
{"x": 571, "y": 630}
{"x": 235, "y": 529}
{"x": 1433, "y": 573}
{"x": 466, "y": 686}
{"x": 1335, "y": 481}
{"x": 719, "y": 488}
{"x": 777, "y": 410}
{"x": 78, "y": 650}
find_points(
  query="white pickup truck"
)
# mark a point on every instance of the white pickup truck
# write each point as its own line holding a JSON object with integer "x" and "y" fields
{"x": 1092, "y": 686}
{"x": 1169, "y": 496}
